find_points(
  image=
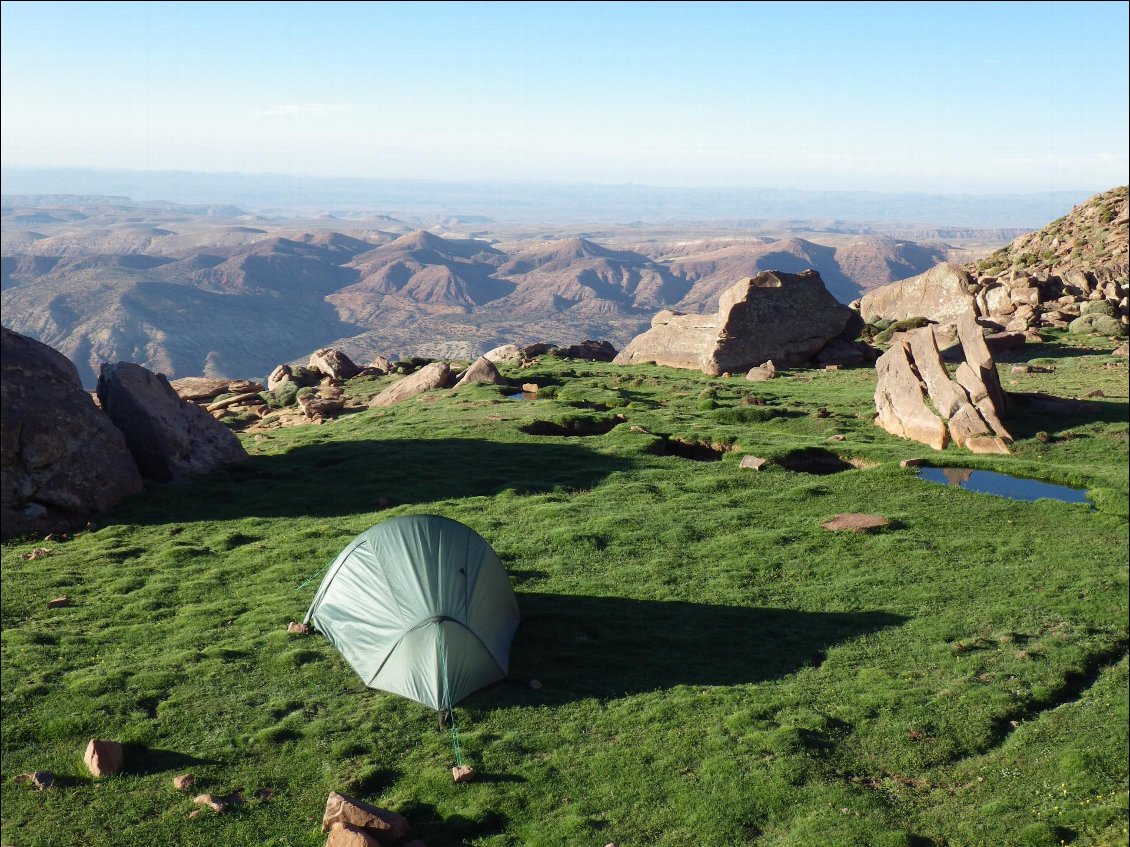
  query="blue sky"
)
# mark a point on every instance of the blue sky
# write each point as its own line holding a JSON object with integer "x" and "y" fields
{"x": 892, "y": 97}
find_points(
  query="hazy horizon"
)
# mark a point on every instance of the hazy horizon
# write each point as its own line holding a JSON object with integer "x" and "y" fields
{"x": 935, "y": 98}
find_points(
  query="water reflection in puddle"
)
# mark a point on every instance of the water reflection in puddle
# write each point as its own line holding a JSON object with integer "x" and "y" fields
{"x": 1003, "y": 485}
{"x": 523, "y": 395}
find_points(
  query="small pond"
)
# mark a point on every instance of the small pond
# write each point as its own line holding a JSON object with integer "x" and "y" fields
{"x": 523, "y": 395}
{"x": 1003, "y": 485}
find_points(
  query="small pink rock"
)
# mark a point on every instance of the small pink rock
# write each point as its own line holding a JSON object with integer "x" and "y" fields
{"x": 348, "y": 835}
{"x": 530, "y": 388}
{"x": 463, "y": 773}
{"x": 753, "y": 462}
{"x": 297, "y": 628}
{"x": 103, "y": 757}
{"x": 912, "y": 463}
{"x": 183, "y": 782}
{"x": 58, "y": 602}
{"x": 211, "y": 801}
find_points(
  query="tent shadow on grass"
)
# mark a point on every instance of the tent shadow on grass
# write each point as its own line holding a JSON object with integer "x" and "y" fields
{"x": 607, "y": 647}
{"x": 351, "y": 477}
{"x": 141, "y": 760}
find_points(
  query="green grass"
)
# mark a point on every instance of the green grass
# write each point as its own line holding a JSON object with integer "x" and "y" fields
{"x": 716, "y": 669}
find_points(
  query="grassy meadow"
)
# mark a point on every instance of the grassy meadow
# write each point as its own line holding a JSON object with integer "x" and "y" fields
{"x": 716, "y": 668}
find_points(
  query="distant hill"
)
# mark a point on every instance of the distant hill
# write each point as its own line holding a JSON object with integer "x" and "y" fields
{"x": 187, "y": 291}
{"x": 1091, "y": 237}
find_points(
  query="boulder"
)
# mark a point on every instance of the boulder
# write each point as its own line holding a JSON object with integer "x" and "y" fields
{"x": 63, "y": 459}
{"x": 169, "y": 438}
{"x": 538, "y": 349}
{"x": 381, "y": 823}
{"x": 978, "y": 357}
{"x": 962, "y": 409}
{"x": 901, "y": 402}
{"x": 754, "y": 463}
{"x": 332, "y": 362}
{"x": 482, "y": 370}
{"x": 103, "y": 758}
{"x": 590, "y": 351}
{"x": 278, "y": 376}
{"x": 381, "y": 363}
{"x": 198, "y": 388}
{"x": 435, "y": 375}
{"x": 942, "y": 294}
{"x": 504, "y": 353}
{"x": 326, "y": 403}
{"x": 774, "y": 315}
{"x": 216, "y": 804}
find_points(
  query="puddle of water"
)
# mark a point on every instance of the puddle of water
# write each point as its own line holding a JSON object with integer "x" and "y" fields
{"x": 1003, "y": 485}
{"x": 523, "y": 395}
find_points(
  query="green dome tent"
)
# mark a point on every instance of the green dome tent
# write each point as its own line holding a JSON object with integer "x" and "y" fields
{"x": 419, "y": 606}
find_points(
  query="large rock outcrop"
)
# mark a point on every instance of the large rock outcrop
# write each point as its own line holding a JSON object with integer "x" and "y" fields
{"x": 942, "y": 294}
{"x": 63, "y": 459}
{"x": 775, "y": 315}
{"x": 169, "y": 437}
{"x": 1074, "y": 268}
{"x": 916, "y": 398}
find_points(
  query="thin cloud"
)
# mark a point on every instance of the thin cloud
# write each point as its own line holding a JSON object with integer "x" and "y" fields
{"x": 286, "y": 109}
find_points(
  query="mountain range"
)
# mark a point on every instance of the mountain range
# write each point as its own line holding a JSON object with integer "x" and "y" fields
{"x": 210, "y": 289}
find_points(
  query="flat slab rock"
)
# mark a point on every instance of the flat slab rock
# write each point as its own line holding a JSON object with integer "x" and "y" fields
{"x": 854, "y": 522}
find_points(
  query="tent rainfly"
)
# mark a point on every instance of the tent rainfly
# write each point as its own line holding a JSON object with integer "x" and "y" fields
{"x": 419, "y": 606}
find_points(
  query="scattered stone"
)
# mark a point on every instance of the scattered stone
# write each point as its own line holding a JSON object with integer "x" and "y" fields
{"x": 213, "y": 802}
{"x": 342, "y": 809}
{"x": 912, "y": 463}
{"x": 58, "y": 602}
{"x": 40, "y": 780}
{"x": 333, "y": 363}
{"x": 1098, "y": 392}
{"x": 530, "y": 388}
{"x": 168, "y": 437}
{"x": 296, "y": 628}
{"x": 435, "y": 375}
{"x": 102, "y": 757}
{"x": 836, "y": 437}
{"x": 1122, "y": 350}
{"x": 762, "y": 372}
{"x": 535, "y": 684}
{"x": 183, "y": 782}
{"x": 833, "y": 367}
{"x": 852, "y": 522}
{"x": 1021, "y": 369}
{"x": 774, "y": 315}
{"x": 63, "y": 458}
{"x": 194, "y": 813}
{"x": 482, "y": 370}
{"x": 265, "y": 793}
{"x": 37, "y": 553}
{"x": 463, "y": 773}
{"x": 753, "y": 462}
